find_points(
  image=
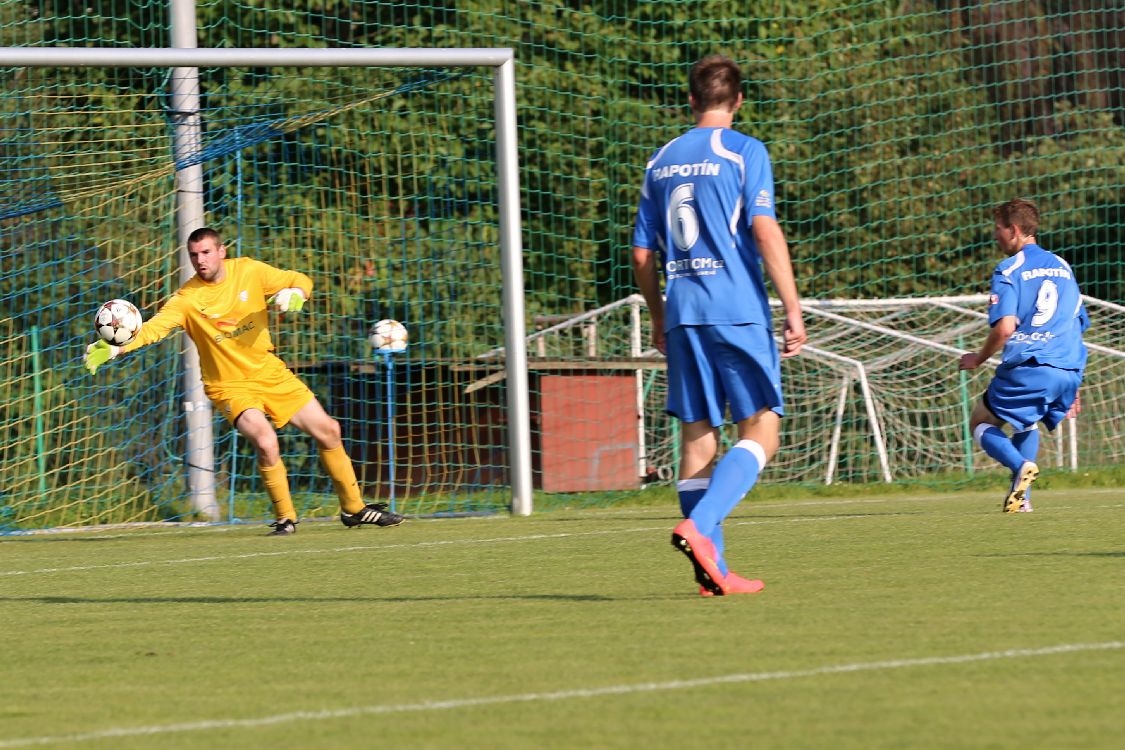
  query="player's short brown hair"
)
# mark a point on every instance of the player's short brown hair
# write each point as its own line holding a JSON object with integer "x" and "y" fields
{"x": 1020, "y": 213}
{"x": 715, "y": 82}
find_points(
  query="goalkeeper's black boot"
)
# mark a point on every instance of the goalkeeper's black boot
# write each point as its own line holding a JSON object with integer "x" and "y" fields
{"x": 284, "y": 527}
{"x": 376, "y": 514}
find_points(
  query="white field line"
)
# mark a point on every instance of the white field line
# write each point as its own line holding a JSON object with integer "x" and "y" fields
{"x": 492, "y": 540}
{"x": 165, "y": 528}
{"x": 451, "y": 704}
{"x": 410, "y": 545}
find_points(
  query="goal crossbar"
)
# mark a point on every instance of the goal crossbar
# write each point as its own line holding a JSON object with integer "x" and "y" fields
{"x": 232, "y": 57}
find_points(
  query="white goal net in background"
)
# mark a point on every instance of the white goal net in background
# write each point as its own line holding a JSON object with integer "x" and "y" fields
{"x": 876, "y": 396}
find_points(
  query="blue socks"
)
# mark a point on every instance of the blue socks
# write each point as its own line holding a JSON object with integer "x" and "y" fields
{"x": 1027, "y": 443}
{"x": 708, "y": 501}
{"x": 691, "y": 491}
{"x": 734, "y": 476}
{"x": 999, "y": 446}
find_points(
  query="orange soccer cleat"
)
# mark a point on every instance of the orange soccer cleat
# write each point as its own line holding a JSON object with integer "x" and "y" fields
{"x": 736, "y": 584}
{"x": 701, "y": 552}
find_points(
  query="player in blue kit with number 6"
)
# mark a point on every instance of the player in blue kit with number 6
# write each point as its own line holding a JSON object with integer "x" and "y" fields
{"x": 707, "y": 218}
{"x": 1037, "y": 317}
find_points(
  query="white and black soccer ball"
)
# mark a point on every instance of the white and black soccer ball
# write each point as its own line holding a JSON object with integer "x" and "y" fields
{"x": 118, "y": 321}
{"x": 388, "y": 336}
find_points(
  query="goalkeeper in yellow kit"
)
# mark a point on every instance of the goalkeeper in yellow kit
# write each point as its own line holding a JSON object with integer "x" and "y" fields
{"x": 223, "y": 309}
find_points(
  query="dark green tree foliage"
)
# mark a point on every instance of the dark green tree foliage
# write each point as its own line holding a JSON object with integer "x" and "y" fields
{"x": 893, "y": 126}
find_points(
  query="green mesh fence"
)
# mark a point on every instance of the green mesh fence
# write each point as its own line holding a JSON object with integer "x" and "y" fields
{"x": 893, "y": 126}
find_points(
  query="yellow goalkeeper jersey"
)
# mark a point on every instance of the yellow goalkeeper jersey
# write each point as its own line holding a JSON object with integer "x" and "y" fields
{"x": 228, "y": 320}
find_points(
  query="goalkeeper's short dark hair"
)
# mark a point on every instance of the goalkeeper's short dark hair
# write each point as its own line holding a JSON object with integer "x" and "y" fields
{"x": 204, "y": 233}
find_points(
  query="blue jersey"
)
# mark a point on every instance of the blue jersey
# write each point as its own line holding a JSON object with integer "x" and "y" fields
{"x": 1039, "y": 289}
{"x": 700, "y": 194}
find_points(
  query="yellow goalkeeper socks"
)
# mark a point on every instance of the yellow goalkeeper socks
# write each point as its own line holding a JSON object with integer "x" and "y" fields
{"x": 276, "y": 481}
{"x": 339, "y": 467}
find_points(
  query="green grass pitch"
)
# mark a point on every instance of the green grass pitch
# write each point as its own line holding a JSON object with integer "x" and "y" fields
{"x": 911, "y": 621}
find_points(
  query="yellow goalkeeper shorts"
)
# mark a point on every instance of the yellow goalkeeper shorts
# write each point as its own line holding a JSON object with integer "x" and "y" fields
{"x": 275, "y": 391}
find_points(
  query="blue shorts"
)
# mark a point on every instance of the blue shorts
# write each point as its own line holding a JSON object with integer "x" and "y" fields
{"x": 1029, "y": 393}
{"x": 713, "y": 367}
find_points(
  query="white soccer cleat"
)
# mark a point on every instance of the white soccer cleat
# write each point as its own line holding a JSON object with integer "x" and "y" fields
{"x": 1021, "y": 481}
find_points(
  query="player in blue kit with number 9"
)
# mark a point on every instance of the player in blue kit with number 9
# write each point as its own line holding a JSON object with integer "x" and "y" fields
{"x": 1037, "y": 317}
{"x": 707, "y": 213}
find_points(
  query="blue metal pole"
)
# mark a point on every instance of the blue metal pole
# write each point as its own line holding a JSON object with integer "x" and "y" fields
{"x": 389, "y": 364}
{"x": 40, "y": 443}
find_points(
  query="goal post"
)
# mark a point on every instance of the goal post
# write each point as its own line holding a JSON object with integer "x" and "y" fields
{"x": 185, "y": 61}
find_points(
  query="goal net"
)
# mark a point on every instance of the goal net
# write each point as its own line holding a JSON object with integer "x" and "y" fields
{"x": 380, "y": 182}
{"x": 876, "y": 396}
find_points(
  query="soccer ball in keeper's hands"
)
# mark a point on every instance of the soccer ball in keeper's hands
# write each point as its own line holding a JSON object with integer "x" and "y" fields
{"x": 118, "y": 322}
{"x": 387, "y": 336}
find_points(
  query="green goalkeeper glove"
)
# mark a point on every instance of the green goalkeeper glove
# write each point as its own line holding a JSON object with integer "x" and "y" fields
{"x": 98, "y": 353}
{"x": 290, "y": 299}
